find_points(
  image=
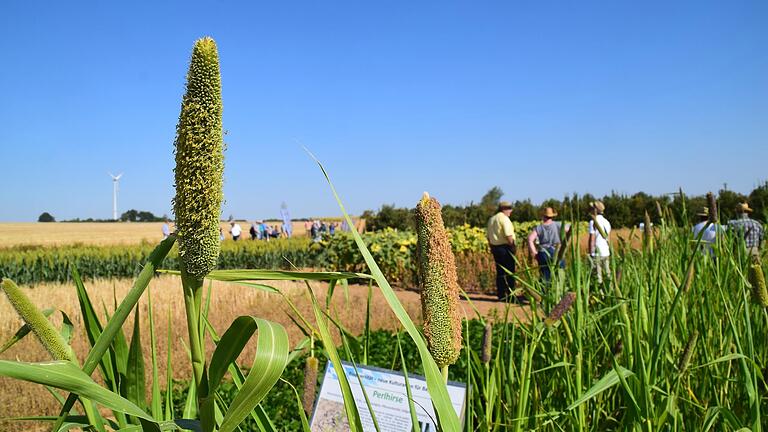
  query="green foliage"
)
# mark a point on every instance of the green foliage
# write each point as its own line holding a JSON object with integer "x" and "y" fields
{"x": 621, "y": 209}
{"x": 139, "y": 216}
{"x": 200, "y": 162}
{"x": 46, "y": 217}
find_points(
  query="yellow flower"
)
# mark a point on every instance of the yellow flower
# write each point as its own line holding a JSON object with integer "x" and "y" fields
{"x": 403, "y": 248}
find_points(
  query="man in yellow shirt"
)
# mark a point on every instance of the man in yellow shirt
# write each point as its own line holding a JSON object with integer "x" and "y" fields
{"x": 501, "y": 237}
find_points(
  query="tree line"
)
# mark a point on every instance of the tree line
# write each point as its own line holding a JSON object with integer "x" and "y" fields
{"x": 621, "y": 209}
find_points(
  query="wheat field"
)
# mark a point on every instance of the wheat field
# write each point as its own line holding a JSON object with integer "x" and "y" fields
{"x": 97, "y": 233}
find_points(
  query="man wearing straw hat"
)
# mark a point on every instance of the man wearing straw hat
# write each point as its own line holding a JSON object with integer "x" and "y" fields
{"x": 543, "y": 243}
{"x": 749, "y": 229}
{"x": 501, "y": 237}
{"x": 599, "y": 250}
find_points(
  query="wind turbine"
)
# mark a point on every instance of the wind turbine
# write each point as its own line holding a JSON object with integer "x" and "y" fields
{"x": 115, "y": 180}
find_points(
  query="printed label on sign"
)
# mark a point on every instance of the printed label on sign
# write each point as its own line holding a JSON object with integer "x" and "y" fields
{"x": 388, "y": 398}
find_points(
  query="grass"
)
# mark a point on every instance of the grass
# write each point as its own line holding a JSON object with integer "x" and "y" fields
{"x": 228, "y": 300}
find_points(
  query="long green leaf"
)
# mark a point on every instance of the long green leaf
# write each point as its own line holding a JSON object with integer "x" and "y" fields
{"x": 449, "y": 420}
{"x": 246, "y": 275}
{"x": 350, "y": 407}
{"x": 268, "y": 364}
{"x": 156, "y": 404}
{"x": 609, "y": 380}
{"x": 135, "y": 380}
{"x": 66, "y": 376}
{"x": 115, "y": 324}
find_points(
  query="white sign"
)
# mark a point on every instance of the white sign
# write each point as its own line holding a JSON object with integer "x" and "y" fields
{"x": 387, "y": 394}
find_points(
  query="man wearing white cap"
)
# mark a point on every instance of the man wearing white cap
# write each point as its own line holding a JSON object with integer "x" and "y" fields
{"x": 749, "y": 229}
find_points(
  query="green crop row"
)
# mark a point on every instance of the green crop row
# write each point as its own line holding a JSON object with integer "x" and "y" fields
{"x": 394, "y": 251}
{"x": 36, "y": 265}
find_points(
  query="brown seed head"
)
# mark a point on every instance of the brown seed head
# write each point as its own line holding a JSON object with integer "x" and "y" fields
{"x": 439, "y": 284}
{"x": 487, "y": 343}
{"x": 561, "y": 309}
{"x": 310, "y": 383}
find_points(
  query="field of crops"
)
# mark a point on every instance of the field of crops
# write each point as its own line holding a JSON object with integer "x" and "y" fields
{"x": 190, "y": 333}
{"x": 14, "y": 234}
{"x": 642, "y": 350}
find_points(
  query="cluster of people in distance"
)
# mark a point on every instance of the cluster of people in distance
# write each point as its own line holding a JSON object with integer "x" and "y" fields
{"x": 316, "y": 229}
{"x": 750, "y": 230}
{"x": 259, "y": 230}
{"x": 544, "y": 241}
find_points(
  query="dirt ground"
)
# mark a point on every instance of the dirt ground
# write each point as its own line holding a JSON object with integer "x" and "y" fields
{"x": 228, "y": 301}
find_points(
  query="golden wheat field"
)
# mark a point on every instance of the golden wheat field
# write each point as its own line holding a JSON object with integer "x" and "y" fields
{"x": 228, "y": 300}
{"x": 96, "y": 233}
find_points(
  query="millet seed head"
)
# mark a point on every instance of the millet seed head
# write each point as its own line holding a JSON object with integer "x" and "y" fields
{"x": 46, "y": 333}
{"x": 439, "y": 284}
{"x": 200, "y": 162}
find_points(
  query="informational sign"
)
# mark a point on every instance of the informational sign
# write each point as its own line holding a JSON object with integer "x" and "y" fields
{"x": 388, "y": 397}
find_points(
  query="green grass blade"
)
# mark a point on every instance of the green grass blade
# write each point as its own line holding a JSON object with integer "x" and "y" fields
{"x": 447, "y": 417}
{"x": 609, "y": 380}
{"x": 350, "y": 406}
{"x": 135, "y": 384}
{"x": 169, "y": 372}
{"x": 93, "y": 329}
{"x": 411, "y": 406}
{"x": 246, "y": 275}
{"x": 115, "y": 324}
{"x": 66, "y": 376}
{"x": 269, "y": 362}
{"x": 156, "y": 405}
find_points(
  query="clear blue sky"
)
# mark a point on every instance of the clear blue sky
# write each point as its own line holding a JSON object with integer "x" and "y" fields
{"x": 540, "y": 98}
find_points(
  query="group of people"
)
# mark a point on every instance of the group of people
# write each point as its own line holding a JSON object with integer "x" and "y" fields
{"x": 259, "y": 230}
{"x": 543, "y": 242}
{"x": 750, "y": 230}
{"x": 317, "y": 228}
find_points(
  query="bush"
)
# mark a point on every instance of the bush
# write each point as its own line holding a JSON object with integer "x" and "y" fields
{"x": 46, "y": 217}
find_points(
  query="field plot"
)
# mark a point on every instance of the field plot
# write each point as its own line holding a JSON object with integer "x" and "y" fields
{"x": 103, "y": 233}
{"x": 228, "y": 300}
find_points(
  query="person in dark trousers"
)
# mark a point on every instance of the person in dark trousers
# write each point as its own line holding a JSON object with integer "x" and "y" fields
{"x": 543, "y": 243}
{"x": 501, "y": 238}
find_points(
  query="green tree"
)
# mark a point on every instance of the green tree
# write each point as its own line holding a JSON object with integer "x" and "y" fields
{"x": 758, "y": 200}
{"x": 46, "y": 217}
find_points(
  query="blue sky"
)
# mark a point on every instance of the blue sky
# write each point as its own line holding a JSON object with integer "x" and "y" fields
{"x": 540, "y": 98}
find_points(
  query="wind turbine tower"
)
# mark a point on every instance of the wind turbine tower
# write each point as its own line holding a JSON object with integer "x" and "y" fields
{"x": 115, "y": 182}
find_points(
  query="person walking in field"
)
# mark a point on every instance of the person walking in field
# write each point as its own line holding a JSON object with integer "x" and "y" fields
{"x": 599, "y": 248}
{"x": 749, "y": 229}
{"x": 166, "y": 229}
{"x": 501, "y": 238}
{"x": 708, "y": 233}
{"x": 543, "y": 243}
{"x": 235, "y": 230}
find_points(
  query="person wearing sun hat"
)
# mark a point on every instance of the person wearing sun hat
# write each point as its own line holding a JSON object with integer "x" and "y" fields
{"x": 749, "y": 229}
{"x": 709, "y": 234}
{"x": 501, "y": 238}
{"x": 543, "y": 243}
{"x": 599, "y": 249}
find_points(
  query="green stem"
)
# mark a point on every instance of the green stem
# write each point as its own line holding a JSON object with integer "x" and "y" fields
{"x": 444, "y": 371}
{"x": 192, "y": 300}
